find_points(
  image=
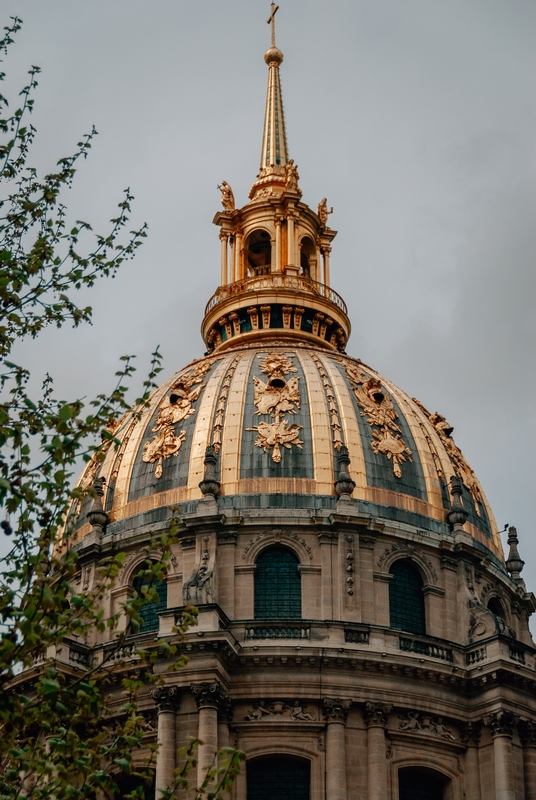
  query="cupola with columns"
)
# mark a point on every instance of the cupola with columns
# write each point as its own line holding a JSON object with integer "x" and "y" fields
{"x": 275, "y": 250}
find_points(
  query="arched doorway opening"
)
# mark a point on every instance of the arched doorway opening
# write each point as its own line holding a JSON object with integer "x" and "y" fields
{"x": 422, "y": 783}
{"x": 278, "y": 777}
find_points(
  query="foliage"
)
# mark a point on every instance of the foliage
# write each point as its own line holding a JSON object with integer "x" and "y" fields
{"x": 57, "y": 738}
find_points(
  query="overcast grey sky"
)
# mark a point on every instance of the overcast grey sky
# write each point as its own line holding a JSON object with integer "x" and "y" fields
{"x": 415, "y": 119}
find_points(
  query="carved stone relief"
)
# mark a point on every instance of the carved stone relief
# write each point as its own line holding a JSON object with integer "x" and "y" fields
{"x": 415, "y": 721}
{"x": 276, "y": 397}
{"x": 199, "y": 589}
{"x": 270, "y": 535}
{"x": 297, "y": 711}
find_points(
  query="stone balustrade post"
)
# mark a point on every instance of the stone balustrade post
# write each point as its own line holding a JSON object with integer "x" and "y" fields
{"x": 376, "y": 718}
{"x": 336, "y": 713}
{"x": 501, "y": 724}
{"x": 210, "y": 697}
{"x": 528, "y": 739}
{"x": 166, "y": 699}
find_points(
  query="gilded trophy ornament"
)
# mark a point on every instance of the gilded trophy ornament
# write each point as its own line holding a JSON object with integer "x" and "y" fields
{"x": 276, "y": 397}
{"x": 377, "y": 408}
{"x": 177, "y": 406}
{"x": 457, "y": 459}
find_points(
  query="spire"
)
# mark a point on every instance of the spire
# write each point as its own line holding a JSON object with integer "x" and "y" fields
{"x": 274, "y": 140}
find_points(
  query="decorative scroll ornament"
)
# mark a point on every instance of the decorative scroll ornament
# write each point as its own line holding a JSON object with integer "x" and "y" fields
{"x": 177, "y": 406}
{"x": 222, "y": 402}
{"x": 333, "y": 410}
{"x": 461, "y": 467}
{"x": 276, "y": 397}
{"x": 378, "y": 410}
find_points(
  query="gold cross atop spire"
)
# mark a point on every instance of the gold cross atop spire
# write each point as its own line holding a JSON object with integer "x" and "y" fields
{"x": 271, "y": 21}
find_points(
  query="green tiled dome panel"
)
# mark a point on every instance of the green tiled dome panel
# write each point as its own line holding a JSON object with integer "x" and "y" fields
{"x": 295, "y": 462}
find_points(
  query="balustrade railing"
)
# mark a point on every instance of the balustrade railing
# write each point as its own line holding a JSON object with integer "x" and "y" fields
{"x": 276, "y": 280}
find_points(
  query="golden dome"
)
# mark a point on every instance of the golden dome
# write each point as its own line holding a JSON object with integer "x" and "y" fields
{"x": 278, "y": 417}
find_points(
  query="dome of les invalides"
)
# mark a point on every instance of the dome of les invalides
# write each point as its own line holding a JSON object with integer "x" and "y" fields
{"x": 360, "y": 634}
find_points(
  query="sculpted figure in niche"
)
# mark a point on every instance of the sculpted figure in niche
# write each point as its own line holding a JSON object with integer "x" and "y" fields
{"x": 227, "y": 196}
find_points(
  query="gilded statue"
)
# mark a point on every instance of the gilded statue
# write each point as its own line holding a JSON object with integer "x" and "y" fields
{"x": 227, "y": 196}
{"x": 323, "y": 211}
{"x": 275, "y": 397}
{"x": 292, "y": 177}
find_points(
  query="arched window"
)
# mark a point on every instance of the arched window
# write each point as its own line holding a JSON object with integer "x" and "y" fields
{"x": 420, "y": 783}
{"x": 128, "y": 783}
{"x": 406, "y": 600}
{"x": 308, "y": 257}
{"x": 278, "y": 777}
{"x": 277, "y": 585}
{"x": 150, "y": 609}
{"x": 496, "y": 607}
{"x": 258, "y": 251}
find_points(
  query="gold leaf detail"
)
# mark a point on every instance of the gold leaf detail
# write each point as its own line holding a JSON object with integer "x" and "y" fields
{"x": 274, "y": 398}
{"x": 275, "y": 434}
{"x": 377, "y": 408}
{"x": 176, "y": 406}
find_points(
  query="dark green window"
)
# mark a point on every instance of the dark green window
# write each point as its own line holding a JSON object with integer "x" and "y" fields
{"x": 277, "y": 585}
{"x": 150, "y": 610}
{"x": 406, "y": 600}
{"x": 278, "y": 778}
{"x": 420, "y": 784}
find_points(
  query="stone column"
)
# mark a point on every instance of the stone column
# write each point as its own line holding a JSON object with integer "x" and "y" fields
{"x": 277, "y": 262}
{"x": 327, "y": 278}
{"x": 528, "y": 740}
{"x": 376, "y": 717}
{"x": 224, "y": 266}
{"x": 209, "y": 696}
{"x": 290, "y": 240}
{"x": 336, "y": 713}
{"x": 471, "y": 737}
{"x": 238, "y": 256}
{"x": 166, "y": 699}
{"x": 501, "y": 724}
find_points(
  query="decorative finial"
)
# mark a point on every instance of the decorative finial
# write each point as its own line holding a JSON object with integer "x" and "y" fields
{"x": 274, "y": 54}
{"x": 97, "y": 516}
{"x": 271, "y": 21}
{"x": 457, "y": 516}
{"x": 515, "y": 564}
{"x": 344, "y": 485}
{"x": 210, "y": 485}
